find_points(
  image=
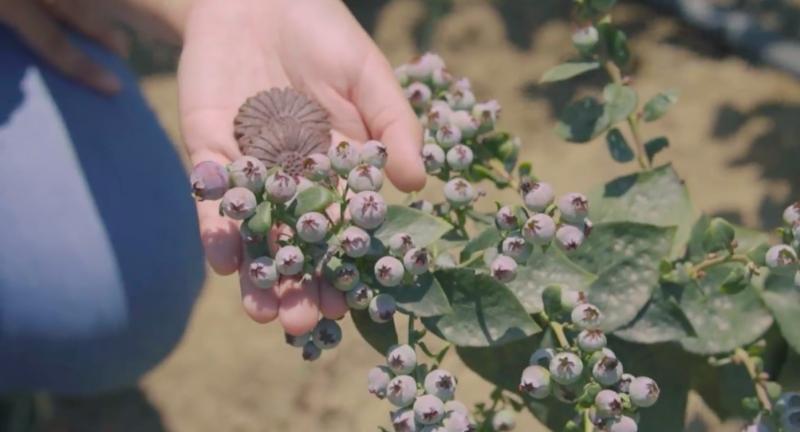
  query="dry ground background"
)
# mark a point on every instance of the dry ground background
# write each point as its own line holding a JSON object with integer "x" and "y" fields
{"x": 735, "y": 138}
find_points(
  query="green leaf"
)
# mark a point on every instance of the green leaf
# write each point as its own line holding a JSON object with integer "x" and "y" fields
{"x": 625, "y": 257}
{"x": 620, "y": 102}
{"x": 603, "y": 5}
{"x": 658, "y": 105}
{"x": 550, "y": 268}
{"x": 618, "y": 146}
{"x": 736, "y": 281}
{"x": 379, "y": 336}
{"x": 657, "y": 197}
{"x": 485, "y": 312}
{"x": 669, "y": 366}
{"x": 423, "y": 228}
{"x": 722, "y": 321}
{"x": 315, "y": 198}
{"x": 783, "y": 299}
{"x": 748, "y": 240}
{"x": 617, "y": 45}
{"x": 490, "y": 237}
{"x": 262, "y": 220}
{"x": 566, "y": 71}
{"x": 718, "y": 236}
{"x": 661, "y": 320}
{"x": 582, "y": 121}
{"x": 422, "y": 297}
{"x": 654, "y": 147}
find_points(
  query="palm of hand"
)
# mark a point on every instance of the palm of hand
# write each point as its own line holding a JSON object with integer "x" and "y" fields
{"x": 233, "y": 51}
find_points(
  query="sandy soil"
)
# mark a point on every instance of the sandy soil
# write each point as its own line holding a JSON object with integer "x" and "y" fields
{"x": 733, "y": 137}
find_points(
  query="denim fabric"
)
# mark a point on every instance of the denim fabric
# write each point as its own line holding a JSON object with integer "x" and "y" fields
{"x": 100, "y": 260}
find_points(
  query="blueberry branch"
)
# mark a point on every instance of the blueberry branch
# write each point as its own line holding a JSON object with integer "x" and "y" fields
{"x": 742, "y": 357}
{"x": 712, "y": 261}
{"x": 556, "y": 327}
{"x": 633, "y": 119}
{"x": 587, "y": 422}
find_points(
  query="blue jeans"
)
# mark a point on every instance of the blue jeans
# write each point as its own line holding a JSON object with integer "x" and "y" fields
{"x": 100, "y": 260}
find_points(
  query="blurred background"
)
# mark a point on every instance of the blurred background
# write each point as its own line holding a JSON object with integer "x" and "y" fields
{"x": 735, "y": 138}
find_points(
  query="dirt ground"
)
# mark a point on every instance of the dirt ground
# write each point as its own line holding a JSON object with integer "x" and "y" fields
{"x": 734, "y": 137}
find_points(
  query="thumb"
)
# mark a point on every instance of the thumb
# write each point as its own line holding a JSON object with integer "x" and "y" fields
{"x": 390, "y": 119}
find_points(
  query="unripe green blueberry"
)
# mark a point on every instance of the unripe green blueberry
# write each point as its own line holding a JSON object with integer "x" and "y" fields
{"x": 248, "y": 172}
{"x": 422, "y": 67}
{"x": 374, "y": 152}
{"x": 574, "y": 207}
{"x": 459, "y": 158}
{"x": 402, "y": 391}
{"x": 517, "y": 248}
{"x": 359, "y": 297}
{"x": 569, "y": 238}
{"x": 239, "y": 203}
{"x": 428, "y": 409}
{"x": 506, "y": 219}
{"x": 448, "y": 135}
{"x": 439, "y": 116}
{"x": 465, "y": 122}
{"x": 585, "y": 38}
{"x": 327, "y": 334}
{"x": 608, "y": 371}
{"x": 791, "y": 215}
{"x": 644, "y": 392}
{"x": 503, "y": 421}
{"x": 382, "y": 308}
{"x": 622, "y": 424}
{"x": 343, "y": 157}
{"x": 263, "y": 272}
{"x": 433, "y": 157}
{"x": 354, "y": 241}
{"x": 289, "y": 260}
{"x": 504, "y": 268}
{"x": 400, "y": 243}
{"x": 542, "y": 357}
{"x": 591, "y": 340}
{"x": 460, "y": 99}
{"x": 624, "y": 384}
{"x": 441, "y": 384}
{"x": 281, "y": 187}
{"x": 537, "y": 195}
{"x": 417, "y": 261}
{"x": 418, "y": 94}
{"x": 780, "y": 255}
{"x": 378, "y": 380}
{"x": 403, "y": 420}
{"x": 586, "y": 316}
{"x": 209, "y": 181}
{"x": 389, "y": 271}
{"x": 441, "y": 78}
{"x": 311, "y": 351}
{"x": 459, "y": 192}
{"x": 539, "y": 229}
{"x": 566, "y": 368}
{"x": 365, "y": 177}
{"x": 367, "y": 209}
{"x": 486, "y": 113}
{"x": 297, "y": 341}
{"x": 317, "y": 167}
{"x": 312, "y": 227}
{"x": 535, "y": 382}
{"x": 608, "y": 403}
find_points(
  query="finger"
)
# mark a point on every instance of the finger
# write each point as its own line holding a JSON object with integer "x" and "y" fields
{"x": 43, "y": 35}
{"x": 91, "y": 24}
{"x": 278, "y": 233}
{"x": 220, "y": 236}
{"x": 391, "y": 120}
{"x": 260, "y": 304}
{"x": 299, "y": 304}
{"x": 331, "y": 301}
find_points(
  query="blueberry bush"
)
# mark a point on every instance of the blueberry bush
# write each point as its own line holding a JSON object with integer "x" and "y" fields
{"x": 596, "y": 317}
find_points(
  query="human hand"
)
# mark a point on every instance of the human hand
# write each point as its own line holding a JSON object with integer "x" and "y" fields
{"x": 232, "y": 50}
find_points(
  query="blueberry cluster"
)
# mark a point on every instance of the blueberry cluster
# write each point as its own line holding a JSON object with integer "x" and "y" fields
{"x": 421, "y": 405}
{"x": 784, "y": 255}
{"x": 589, "y": 374}
{"x": 785, "y": 416}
